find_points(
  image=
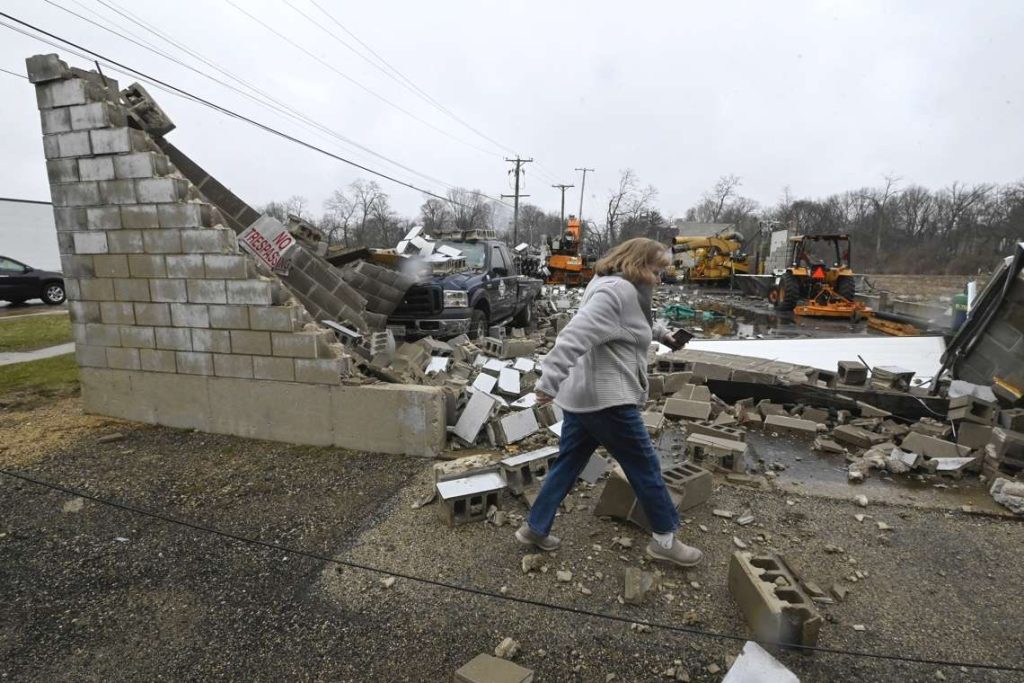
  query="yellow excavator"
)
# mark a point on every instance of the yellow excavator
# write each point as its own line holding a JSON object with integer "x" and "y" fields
{"x": 716, "y": 258}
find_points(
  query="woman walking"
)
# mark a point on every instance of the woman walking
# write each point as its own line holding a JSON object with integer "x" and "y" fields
{"x": 597, "y": 374}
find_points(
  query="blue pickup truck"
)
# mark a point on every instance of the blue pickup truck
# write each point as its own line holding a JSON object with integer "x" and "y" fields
{"x": 490, "y": 291}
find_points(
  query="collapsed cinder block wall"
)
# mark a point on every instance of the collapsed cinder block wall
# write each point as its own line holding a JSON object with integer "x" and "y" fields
{"x": 172, "y": 323}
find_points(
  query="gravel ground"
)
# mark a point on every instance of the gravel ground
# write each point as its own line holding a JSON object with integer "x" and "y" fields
{"x": 94, "y": 593}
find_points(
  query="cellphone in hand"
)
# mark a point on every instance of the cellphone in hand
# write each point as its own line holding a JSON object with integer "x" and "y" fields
{"x": 679, "y": 337}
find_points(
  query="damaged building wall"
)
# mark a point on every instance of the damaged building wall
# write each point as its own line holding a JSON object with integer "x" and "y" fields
{"x": 173, "y": 324}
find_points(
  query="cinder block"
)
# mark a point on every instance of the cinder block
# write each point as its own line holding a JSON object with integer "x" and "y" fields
{"x": 160, "y": 190}
{"x": 90, "y": 242}
{"x": 207, "y": 292}
{"x": 688, "y": 487}
{"x": 187, "y": 266}
{"x": 138, "y": 165}
{"x": 62, "y": 93}
{"x": 102, "y": 335}
{"x": 131, "y": 290}
{"x": 252, "y": 292}
{"x": 145, "y": 266}
{"x": 485, "y": 668}
{"x": 974, "y": 435}
{"x": 278, "y": 369}
{"x": 116, "y": 313}
{"x": 180, "y": 215}
{"x": 154, "y": 360}
{"x": 711, "y": 371}
{"x": 70, "y": 218}
{"x": 98, "y": 289}
{"x": 51, "y": 147}
{"x": 43, "y": 68}
{"x": 125, "y": 242}
{"x": 321, "y": 371}
{"x": 229, "y": 317}
{"x": 716, "y": 430}
{"x": 161, "y": 241}
{"x": 228, "y": 266}
{"x": 63, "y": 171}
{"x": 168, "y": 291}
{"x": 209, "y": 241}
{"x": 117, "y": 191}
{"x": 852, "y": 372}
{"x": 139, "y": 216}
{"x": 685, "y": 408}
{"x": 174, "y": 338}
{"x": 273, "y": 318}
{"x": 211, "y": 341}
{"x": 932, "y": 447}
{"x": 94, "y": 168}
{"x": 251, "y": 343}
{"x": 84, "y": 311}
{"x": 73, "y": 265}
{"x": 73, "y": 144}
{"x": 76, "y": 194}
{"x": 232, "y": 365}
{"x": 294, "y": 344}
{"x": 523, "y": 470}
{"x": 123, "y": 359}
{"x": 103, "y": 218}
{"x": 790, "y": 425}
{"x": 856, "y": 436}
{"x": 95, "y": 115}
{"x": 770, "y": 597}
{"x": 189, "y": 315}
{"x": 153, "y": 315}
{"x": 65, "y": 243}
{"x": 110, "y": 265}
{"x": 55, "y": 121}
{"x": 91, "y": 356}
{"x": 137, "y": 337}
{"x": 723, "y": 454}
{"x": 78, "y": 333}
{"x": 190, "y": 363}
{"x": 117, "y": 141}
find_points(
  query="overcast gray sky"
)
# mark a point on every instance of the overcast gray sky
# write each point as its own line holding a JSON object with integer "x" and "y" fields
{"x": 819, "y": 96}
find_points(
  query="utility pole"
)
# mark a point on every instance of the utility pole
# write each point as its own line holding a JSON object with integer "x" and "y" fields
{"x": 563, "y": 188}
{"x": 515, "y": 211}
{"x": 583, "y": 187}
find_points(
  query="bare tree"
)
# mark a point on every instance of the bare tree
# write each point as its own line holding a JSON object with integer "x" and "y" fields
{"x": 365, "y": 196}
{"x": 880, "y": 198}
{"x": 435, "y": 215}
{"x": 338, "y": 219}
{"x": 618, "y": 201}
{"x": 469, "y": 208}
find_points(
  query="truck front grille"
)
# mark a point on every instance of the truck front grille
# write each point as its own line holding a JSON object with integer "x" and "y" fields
{"x": 420, "y": 301}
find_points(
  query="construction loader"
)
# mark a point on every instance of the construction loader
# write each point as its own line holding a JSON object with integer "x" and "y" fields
{"x": 818, "y": 274}
{"x": 715, "y": 258}
{"x": 568, "y": 265}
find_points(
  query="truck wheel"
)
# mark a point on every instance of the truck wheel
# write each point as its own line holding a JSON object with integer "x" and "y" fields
{"x": 846, "y": 287}
{"x": 53, "y": 294}
{"x": 789, "y": 293}
{"x": 524, "y": 317}
{"x": 478, "y": 324}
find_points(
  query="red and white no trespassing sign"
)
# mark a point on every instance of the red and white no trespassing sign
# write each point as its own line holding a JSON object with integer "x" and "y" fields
{"x": 268, "y": 240}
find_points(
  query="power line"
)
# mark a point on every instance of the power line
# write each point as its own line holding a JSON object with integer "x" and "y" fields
{"x": 280, "y": 108}
{"x": 227, "y": 111}
{"x": 164, "y": 517}
{"x": 348, "y": 78}
{"x": 14, "y": 74}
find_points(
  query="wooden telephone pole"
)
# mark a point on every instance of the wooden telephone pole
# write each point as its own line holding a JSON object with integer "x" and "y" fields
{"x": 515, "y": 210}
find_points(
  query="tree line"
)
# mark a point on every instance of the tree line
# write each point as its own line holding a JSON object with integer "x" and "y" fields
{"x": 894, "y": 227}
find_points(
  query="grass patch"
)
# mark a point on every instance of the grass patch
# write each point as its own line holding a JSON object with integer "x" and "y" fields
{"x": 46, "y": 377}
{"x": 35, "y": 332}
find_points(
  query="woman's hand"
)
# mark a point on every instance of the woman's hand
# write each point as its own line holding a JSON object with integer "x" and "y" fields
{"x": 542, "y": 398}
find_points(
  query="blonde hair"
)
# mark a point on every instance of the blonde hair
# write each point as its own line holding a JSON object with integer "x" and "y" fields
{"x": 634, "y": 260}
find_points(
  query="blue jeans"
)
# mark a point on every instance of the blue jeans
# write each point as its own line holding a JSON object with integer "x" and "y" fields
{"x": 622, "y": 432}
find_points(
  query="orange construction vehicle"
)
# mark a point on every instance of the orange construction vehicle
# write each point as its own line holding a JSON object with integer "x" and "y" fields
{"x": 819, "y": 274}
{"x": 567, "y": 264}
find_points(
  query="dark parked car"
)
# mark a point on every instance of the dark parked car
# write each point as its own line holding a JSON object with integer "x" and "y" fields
{"x": 19, "y": 283}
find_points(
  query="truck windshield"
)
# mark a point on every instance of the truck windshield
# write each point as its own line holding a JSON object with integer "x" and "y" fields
{"x": 475, "y": 252}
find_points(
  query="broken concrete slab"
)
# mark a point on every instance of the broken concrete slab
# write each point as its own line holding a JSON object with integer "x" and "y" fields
{"x": 636, "y": 585}
{"x": 653, "y": 421}
{"x": 856, "y": 436}
{"x": 1009, "y": 494}
{"x": 477, "y": 412}
{"x": 515, "y": 427}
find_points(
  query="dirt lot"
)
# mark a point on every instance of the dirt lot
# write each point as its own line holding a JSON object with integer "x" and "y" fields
{"x": 97, "y": 593}
{"x": 924, "y": 287}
